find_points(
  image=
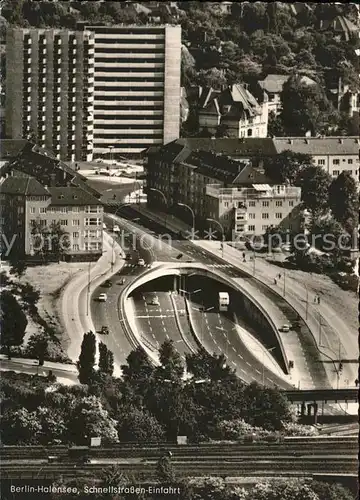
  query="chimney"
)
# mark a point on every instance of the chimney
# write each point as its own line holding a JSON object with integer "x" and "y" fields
{"x": 341, "y": 141}
{"x": 290, "y": 141}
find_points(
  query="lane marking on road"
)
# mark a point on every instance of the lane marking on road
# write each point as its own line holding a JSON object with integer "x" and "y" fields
{"x": 242, "y": 369}
{"x": 179, "y": 341}
{"x": 233, "y": 348}
{"x": 247, "y": 362}
{"x": 259, "y": 372}
{"x": 233, "y": 362}
{"x": 240, "y": 356}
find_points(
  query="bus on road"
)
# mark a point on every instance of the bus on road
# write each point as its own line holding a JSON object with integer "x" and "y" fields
{"x": 223, "y": 301}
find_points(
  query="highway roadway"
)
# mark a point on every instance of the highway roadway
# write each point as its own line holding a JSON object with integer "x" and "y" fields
{"x": 216, "y": 329}
{"x": 190, "y": 251}
{"x": 157, "y": 322}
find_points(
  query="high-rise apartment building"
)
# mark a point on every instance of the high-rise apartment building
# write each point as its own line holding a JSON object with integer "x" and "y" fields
{"x": 98, "y": 90}
{"x": 137, "y": 87}
{"x": 50, "y": 89}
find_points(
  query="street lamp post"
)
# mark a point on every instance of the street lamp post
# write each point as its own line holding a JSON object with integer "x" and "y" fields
{"x": 88, "y": 291}
{"x": 284, "y": 282}
{"x": 193, "y": 216}
{"x": 307, "y": 302}
{"x": 165, "y": 200}
{"x": 110, "y": 151}
{"x": 222, "y": 234}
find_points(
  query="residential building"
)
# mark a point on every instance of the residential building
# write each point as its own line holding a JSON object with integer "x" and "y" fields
{"x": 237, "y": 110}
{"x": 252, "y": 210}
{"x": 22, "y": 158}
{"x": 94, "y": 91}
{"x": 50, "y": 89}
{"x": 137, "y": 87}
{"x": 26, "y": 204}
{"x": 334, "y": 154}
{"x": 342, "y": 27}
{"x": 233, "y": 192}
{"x": 273, "y": 85}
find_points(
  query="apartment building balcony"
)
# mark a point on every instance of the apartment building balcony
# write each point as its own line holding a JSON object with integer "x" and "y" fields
{"x": 260, "y": 191}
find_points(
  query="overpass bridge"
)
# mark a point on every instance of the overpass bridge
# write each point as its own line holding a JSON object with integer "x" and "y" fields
{"x": 323, "y": 395}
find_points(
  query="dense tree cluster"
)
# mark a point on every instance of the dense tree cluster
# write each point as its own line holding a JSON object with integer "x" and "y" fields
{"x": 149, "y": 404}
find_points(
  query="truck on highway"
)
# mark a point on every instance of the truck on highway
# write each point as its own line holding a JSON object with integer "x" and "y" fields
{"x": 223, "y": 301}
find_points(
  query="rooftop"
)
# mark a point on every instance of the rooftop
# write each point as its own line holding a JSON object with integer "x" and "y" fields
{"x": 71, "y": 196}
{"x": 9, "y": 148}
{"x": 248, "y": 146}
{"x": 27, "y": 186}
{"x": 318, "y": 145}
{"x": 274, "y": 83}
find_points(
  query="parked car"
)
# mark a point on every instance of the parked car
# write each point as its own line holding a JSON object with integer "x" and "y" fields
{"x": 104, "y": 225}
{"x": 128, "y": 256}
{"x": 122, "y": 281}
{"x": 116, "y": 229}
{"x": 102, "y": 297}
{"x": 107, "y": 284}
{"x": 155, "y": 302}
{"x": 141, "y": 262}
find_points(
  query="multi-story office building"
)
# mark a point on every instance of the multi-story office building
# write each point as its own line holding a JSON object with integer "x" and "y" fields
{"x": 49, "y": 89}
{"x": 98, "y": 90}
{"x": 26, "y": 204}
{"x": 137, "y": 87}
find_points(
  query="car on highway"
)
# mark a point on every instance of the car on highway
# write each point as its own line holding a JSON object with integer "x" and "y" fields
{"x": 107, "y": 284}
{"x": 104, "y": 330}
{"x": 122, "y": 281}
{"x": 286, "y": 247}
{"x": 154, "y": 302}
{"x": 284, "y": 328}
{"x": 104, "y": 225}
{"x": 102, "y": 297}
{"x": 116, "y": 229}
{"x": 141, "y": 262}
{"x": 128, "y": 256}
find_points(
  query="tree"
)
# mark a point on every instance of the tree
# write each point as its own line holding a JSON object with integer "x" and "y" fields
{"x": 165, "y": 473}
{"x": 331, "y": 491}
{"x": 265, "y": 407}
{"x": 37, "y": 347}
{"x": 204, "y": 366}
{"x": 289, "y": 489}
{"x": 19, "y": 427}
{"x": 87, "y": 418}
{"x": 106, "y": 360}
{"x": 13, "y": 321}
{"x": 50, "y": 242}
{"x": 344, "y": 202}
{"x": 18, "y": 267}
{"x": 275, "y": 126}
{"x": 52, "y": 424}
{"x": 222, "y": 131}
{"x": 86, "y": 360}
{"x": 171, "y": 365}
{"x": 137, "y": 425}
{"x": 314, "y": 182}
{"x": 285, "y": 167}
{"x": 305, "y": 108}
{"x": 138, "y": 371}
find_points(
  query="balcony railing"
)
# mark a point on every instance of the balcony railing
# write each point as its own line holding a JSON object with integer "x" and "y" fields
{"x": 217, "y": 191}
